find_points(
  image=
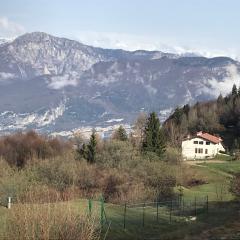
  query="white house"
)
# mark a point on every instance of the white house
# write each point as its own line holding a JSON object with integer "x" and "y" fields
{"x": 201, "y": 146}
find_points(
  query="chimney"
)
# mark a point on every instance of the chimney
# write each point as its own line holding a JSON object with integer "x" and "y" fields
{"x": 199, "y": 133}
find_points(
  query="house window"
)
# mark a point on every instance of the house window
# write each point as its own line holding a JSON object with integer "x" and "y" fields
{"x": 206, "y": 151}
{"x": 200, "y": 150}
{"x": 207, "y": 143}
{"x": 195, "y": 142}
{"x": 196, "y": 150}
{"x": 201, "y": 142}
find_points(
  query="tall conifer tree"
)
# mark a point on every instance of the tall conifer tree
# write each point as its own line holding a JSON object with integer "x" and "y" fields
{"x": 92, "y": 148}
{"x": 153, "y": 136}
{"x": 120, "y": 134}
{"x": 234, "y": 90}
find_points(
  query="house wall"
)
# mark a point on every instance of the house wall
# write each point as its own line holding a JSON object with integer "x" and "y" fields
{"x": 205, "y": 150}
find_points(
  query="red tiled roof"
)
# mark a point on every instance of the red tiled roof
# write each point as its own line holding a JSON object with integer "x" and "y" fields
{"x": 209, "y": 137}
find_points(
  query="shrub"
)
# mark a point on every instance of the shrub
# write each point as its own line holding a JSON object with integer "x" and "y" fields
{"x": 88, "y": 179}
{"x": 115, "y": 154}
{"x": 172, "y": 155}
{"x": 19, "y": 148}
{"x": 58, "y": 172}
{"x": 160, "y": 177}
{"x": 235, "y": 185}
{"x": 12, "y": 182}
{"x": 110, "y": 189}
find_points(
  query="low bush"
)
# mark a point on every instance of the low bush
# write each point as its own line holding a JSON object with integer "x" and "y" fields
{"x": 235, "y": 186}
{"x": 121, "y": 173}
{"x": 57, "y": 172}
{"x": 13, "y": 183}
{"x": 19, "y": 148}
{"x": 173, "y": 155}
{"x": 116, "y": 154}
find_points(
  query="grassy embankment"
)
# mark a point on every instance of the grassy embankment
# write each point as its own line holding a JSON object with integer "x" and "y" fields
{"x": 217, "y": 176}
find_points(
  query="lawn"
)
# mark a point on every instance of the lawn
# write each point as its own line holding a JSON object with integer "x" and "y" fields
{"x": 231, "y": 167}
{"x": 216, "y": 187}
{"x": 220, "y": 211}
{"x": 177, "y": 228}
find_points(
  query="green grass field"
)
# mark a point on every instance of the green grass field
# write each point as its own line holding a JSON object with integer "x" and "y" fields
{"x": 221, "y": 210}
{"x": 178, "y": 228}
{"x": 231, "y": 167}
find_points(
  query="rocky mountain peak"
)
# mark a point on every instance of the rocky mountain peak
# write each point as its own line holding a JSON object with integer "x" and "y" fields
{"x": 40, "y": 72}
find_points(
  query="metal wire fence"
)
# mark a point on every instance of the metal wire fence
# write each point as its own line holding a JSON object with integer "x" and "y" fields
{"x": 145, "y": 214}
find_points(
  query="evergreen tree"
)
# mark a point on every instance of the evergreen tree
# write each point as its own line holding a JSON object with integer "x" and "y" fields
{"x": 83, "y": 151}
{"x": 186, "y": 109}
{"x": 120, "y": 134}
{"x": 161, "y": 148}
{"x": 234, "y": 90}
{"x": 178, "y": 114}
{"x": 153, "y": 136}
{"x": 220, "y": 99}
{"x": 236, "y": 145}
{"x": 91, "y": 148}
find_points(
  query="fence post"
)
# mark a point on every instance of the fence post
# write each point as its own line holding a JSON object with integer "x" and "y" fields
{"x": 143, "y": 222}
{"x": 195, "y": 206}
{"x": 101, "y": 210}
{"x": 183, "y": 206}
{"x": 157, "y": 211}
{"x": 90, "y": 207}
{"x": 207, "y": 203}
{"x": 124, "y": 216}
{"x": 9, "y": 202}
{"x": 170, "y": 215}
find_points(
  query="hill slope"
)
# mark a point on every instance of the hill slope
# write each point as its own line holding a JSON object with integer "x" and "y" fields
{"x": 221, "y": 117}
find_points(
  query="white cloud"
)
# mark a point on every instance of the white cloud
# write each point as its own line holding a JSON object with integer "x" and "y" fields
{"x": 224, "y": 87}
{"x": 5, "y": 76}
{"x": 58, "y": 82}
{"x": 9, "y": 28}
{"x": 115, "y": 40}
{"x": 133, "y": 42}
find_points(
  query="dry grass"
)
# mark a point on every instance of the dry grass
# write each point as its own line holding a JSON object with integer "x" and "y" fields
{"x": 49, "y": 221}
{"x": 45, "y": 221}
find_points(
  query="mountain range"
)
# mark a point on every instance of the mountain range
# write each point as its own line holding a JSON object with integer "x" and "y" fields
{"x": 55, "y": 84}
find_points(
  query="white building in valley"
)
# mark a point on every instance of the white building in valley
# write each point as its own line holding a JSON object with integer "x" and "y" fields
{"x": 201, "y": 146}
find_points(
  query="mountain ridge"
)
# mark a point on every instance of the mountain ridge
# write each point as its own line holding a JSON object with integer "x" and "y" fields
{"x": 39, "y": 71}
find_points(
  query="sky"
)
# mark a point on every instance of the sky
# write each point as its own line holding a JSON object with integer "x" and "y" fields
{"x": 207, "y": 27}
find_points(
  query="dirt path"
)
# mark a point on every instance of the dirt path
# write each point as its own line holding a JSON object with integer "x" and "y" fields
{"x": 196, "y": 162}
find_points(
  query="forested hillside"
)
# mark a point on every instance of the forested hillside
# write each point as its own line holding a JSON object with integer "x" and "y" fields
{"x": 220, "y": 117}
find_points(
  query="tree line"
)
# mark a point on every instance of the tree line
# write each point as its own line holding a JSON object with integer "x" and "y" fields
{"x": 219, "y": 117}
{"x": 147, "y": 136}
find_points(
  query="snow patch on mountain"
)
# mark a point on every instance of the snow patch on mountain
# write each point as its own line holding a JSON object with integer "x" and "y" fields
{"x": 164, "y": 114}
{"x": 12, "y": 121}
{"x": 6, "y": 40}
{"x": 115, "y": 120}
